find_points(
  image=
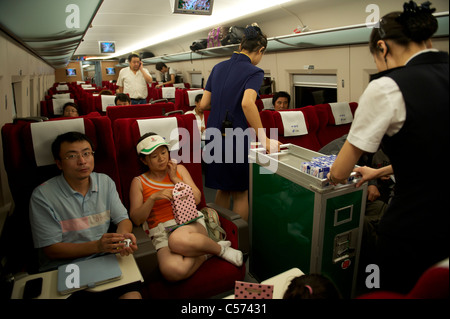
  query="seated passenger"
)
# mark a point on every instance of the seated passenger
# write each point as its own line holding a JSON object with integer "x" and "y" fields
{"x": 311, "y": 286}
{"x": 167, "y": 74}
{"x": 281, "y": 100}
{"x": 199, "y": 116}
{"x": 70, "y": 109}
{"x": 105, "y": 92}
{"x": 181, "y": 252}
{"x": 71, "y": 213}
{"x": 122, "y": 99}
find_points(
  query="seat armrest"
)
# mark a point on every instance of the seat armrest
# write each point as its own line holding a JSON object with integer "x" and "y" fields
{"x": 241, "y": 225}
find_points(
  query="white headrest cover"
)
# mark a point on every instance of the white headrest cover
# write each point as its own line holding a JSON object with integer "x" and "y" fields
{"x": 294, "y": 123}
{"x": 166, "y": 127}
{"x": 44, "y": 133}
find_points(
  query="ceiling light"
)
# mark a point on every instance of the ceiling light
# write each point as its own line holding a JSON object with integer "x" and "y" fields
{"x": 217, "y": 18}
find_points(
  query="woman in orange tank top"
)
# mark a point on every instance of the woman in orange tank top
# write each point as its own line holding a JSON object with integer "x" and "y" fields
{"x": 181, "y": 252}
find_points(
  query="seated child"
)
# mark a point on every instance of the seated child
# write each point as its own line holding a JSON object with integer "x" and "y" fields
{"x": 312, "y": 286}
{"x": 181, "y": 252}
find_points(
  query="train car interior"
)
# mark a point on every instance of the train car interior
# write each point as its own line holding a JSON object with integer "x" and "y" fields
{"x": 73, "y": 51}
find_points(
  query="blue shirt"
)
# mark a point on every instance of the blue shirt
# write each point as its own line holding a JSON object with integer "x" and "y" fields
{"x": 227, "y": 83}
{"x": 58, "y": 214}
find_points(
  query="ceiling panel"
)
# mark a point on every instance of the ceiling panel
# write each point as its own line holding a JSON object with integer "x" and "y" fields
{"x": 50, "y": 29}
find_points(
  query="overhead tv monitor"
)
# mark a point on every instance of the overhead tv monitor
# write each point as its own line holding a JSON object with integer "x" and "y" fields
{"x": 193, "y": 6}
{"x": 71, "y": 72}
{"x": 110, "y": 71}
{"x": 108, "y": 47}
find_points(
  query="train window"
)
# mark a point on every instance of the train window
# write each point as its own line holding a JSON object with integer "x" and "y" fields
{"x": 312, "y": 89}
{"x": 266, "y": 86}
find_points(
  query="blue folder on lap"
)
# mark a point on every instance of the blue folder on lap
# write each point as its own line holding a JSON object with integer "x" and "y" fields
{"x": 88, "y": 273}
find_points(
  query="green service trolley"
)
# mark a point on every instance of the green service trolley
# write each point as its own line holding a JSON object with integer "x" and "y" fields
{"x": 299, "y": 220}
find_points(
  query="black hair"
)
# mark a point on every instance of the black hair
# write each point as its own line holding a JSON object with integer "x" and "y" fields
{"x": 312, "y": 286}
{"x": 253, "y": 39}
{"x": 122, "y": 97}
{"x": 198, "y": 97}
{"x": 279, "y": 94}
{"x": 71, "y": 104}
{"x": 70, "y": 137}
{"x": 133, "y": 55}
{"x": 414, "y": 24}
{"x": 160, "y": 65}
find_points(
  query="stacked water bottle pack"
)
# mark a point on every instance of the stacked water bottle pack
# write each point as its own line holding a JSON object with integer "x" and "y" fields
{"x": 320, "y": 166}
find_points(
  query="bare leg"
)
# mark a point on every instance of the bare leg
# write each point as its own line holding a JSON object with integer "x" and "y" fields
{"x": 192, "y": 241}
{"x": 188, "y": 248}
{"x": 223, "y": 198}
{"x": 175, "y": 267}
{"x": 240, "y": 204}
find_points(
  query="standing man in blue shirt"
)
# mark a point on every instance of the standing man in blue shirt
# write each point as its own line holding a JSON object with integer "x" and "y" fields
{"x": 71, "y": 213}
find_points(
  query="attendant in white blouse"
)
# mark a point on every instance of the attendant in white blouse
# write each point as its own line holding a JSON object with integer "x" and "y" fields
{"x": 405, "y": 107}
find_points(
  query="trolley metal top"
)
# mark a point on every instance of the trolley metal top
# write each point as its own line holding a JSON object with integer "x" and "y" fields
{"x": 287, "y": 164}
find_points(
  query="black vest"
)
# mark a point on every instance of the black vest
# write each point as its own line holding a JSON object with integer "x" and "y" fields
{"x": 418, "y": 152}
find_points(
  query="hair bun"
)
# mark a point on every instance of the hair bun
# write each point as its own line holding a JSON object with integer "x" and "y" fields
{"x": 251, "y": 32}
{"x": 418, "y": 22}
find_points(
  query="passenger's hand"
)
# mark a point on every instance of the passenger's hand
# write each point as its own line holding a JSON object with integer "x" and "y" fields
{"x": 162, "y": 194}
{"x": 172, "y": 170}
{"x": 109, "y": 242}
{"x": 125, "y": 251}
{"x": 372, "y": 193}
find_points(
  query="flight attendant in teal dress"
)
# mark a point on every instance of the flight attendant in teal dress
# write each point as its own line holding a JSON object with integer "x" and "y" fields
{"x": 230, "y": 94}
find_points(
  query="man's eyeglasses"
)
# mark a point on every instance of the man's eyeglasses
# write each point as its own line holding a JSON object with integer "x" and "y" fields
{"x": 74, "y": 157}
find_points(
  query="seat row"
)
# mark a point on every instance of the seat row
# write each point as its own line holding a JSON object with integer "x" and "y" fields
{"x": 28, "y": 163}
{"x": 311, "y": 127}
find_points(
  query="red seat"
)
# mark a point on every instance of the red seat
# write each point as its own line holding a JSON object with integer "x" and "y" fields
{"x": 139, "y": 110}
{"x": 215, "y": 275}
{"x": 272, "y": 119}
{"x": 25, "y": 173}
{"x": 50, "y": 110}
{"x": 264, "y": 100}
{"x": 182, "y": 101}
{"x": 328, "y": 130}
{"x": 433, "y": 284}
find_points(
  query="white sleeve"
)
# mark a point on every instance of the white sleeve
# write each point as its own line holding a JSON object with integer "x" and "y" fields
{"x": 120, "y": 79}
{"x": 381, "y": 110}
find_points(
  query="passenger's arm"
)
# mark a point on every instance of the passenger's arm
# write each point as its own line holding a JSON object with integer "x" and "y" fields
{"x": 148, "y": 78}
{"x": 108, "y": 243}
